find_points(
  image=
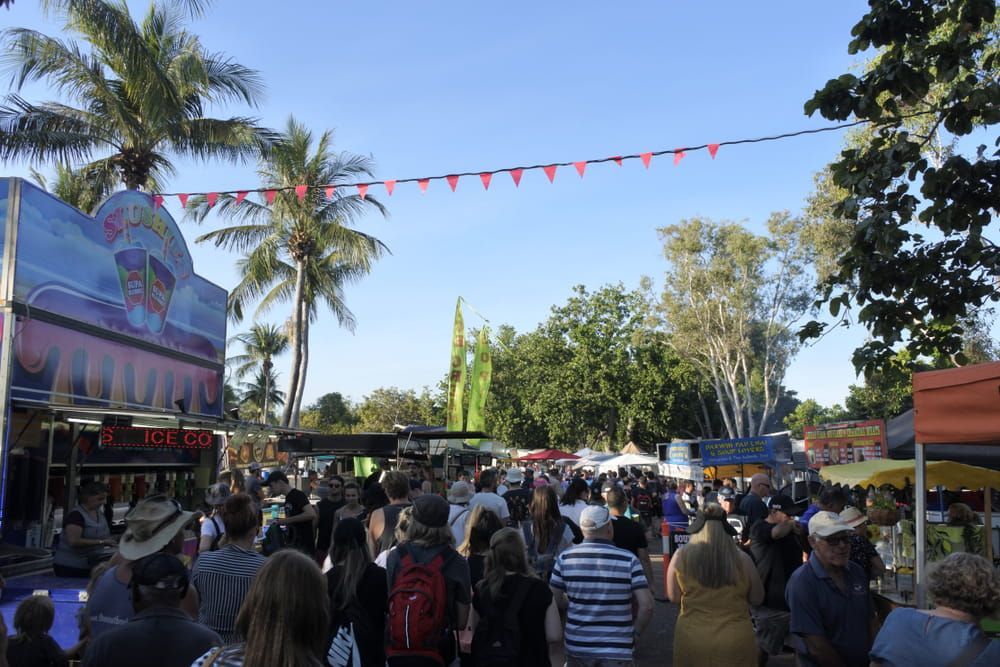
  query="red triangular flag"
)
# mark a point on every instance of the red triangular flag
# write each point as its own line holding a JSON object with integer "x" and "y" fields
{"x": 516, "y": 175}
{"x": 184, "y": 200}
{"x": 580, "y": 167}
{"x": 269, "y": 196}
{"x": 211, "y": 198}
{"x": 713, "y": 149}
{"x": 300, "y": 191}
{"x": 618, "y": 160}
{"x": 329, "y": 191}
{"x": 486, "y": 178}
{"x": 363, "y": 190}
{"x": 646, "y": 157}
{"x": 390, "y": 186}
{"x": 240, "y": 196}
{"x": 452, "y": 181}
{"x": 550, "y": 171}
{"x": 423, "y": 183}
{"x": 678, "y": 156}
{"x": 157, "y": 201}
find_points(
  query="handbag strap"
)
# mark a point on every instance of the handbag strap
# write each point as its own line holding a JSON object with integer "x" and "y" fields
{"x": 972, "y": 650}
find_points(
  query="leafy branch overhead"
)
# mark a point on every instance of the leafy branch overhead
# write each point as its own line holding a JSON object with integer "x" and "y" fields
{"x": 920, "y": 192}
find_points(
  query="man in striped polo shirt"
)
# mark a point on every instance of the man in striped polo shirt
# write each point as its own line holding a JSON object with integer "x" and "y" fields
{"x": 596, "y": 582}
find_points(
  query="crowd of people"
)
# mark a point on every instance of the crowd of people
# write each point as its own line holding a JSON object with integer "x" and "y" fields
{"x": 516, "y": 567}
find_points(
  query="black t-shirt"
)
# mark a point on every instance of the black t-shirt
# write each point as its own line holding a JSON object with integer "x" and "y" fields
{"x": 518, "y": 502}
{"x": 41, "y": 652}
{"x": 534, "y": 647}
{"x": 325, "y": 511}
{"x": 628, "y": 534}
{"x": 368, "y": 616}
{"x": 776, "y": 560}
{"x": 301, "y": 534}
{"x": 477, "y": 568}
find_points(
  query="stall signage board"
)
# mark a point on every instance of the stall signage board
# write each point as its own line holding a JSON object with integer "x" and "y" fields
{"x": 156, "y": 438}
{"x": 765, "y": 448}
{"x": 847, "y": 442}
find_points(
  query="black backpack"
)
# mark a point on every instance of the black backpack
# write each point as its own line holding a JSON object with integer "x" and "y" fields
{"x": 497, "y": 639}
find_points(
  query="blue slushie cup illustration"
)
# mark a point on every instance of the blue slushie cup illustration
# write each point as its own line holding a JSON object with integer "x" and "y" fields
{"x": 132, "y": 273}
{"x": 161, "y": 288}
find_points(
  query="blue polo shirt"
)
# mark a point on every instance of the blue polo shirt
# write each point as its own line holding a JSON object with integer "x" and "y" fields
{"x": 820, "y": 607}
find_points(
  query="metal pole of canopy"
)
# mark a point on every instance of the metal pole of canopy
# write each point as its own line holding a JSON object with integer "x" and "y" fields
{"x": 920, "y": 521}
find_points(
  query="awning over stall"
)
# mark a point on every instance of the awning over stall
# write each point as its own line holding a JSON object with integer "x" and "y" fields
{"x": 948, "y": 474}
{"x": 958, "y": 405}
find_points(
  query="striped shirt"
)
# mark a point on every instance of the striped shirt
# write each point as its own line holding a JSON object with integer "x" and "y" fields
{"x": 222, "y": 579}
{"x": 598, "y": 579}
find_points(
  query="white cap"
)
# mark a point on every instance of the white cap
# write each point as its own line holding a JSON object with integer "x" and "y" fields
{"x": 594, "y": 517}
{"x": 825, "y": 524}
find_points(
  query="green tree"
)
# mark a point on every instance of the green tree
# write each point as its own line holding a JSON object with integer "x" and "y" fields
{"x": 387, "y": 407}
{"x": 78, "y": 187}
{"x": 133, "y": 99}
{"x": 811, "y": 413}
{"x": 260, "y": 396}
{"x": 330, "y": 414}
{"x": 261, "y": 345}
{"x": 729, "y": 303}
{"x": 299, "y": 249}
{"x": 932, "y": 82}
{"x": 888, "y": 391}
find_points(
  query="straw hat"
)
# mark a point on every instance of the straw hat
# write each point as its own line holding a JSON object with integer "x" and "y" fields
{"x": 150, "y": 526}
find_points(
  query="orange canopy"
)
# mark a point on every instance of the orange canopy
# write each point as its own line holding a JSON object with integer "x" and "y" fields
{"x": 958, "y": 405}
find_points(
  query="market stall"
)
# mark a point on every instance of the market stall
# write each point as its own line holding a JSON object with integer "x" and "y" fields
{"x": 627, "y": 461}
{"x": 741, "y": 455}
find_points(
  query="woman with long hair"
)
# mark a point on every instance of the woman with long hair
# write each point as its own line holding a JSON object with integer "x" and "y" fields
{"x": 284, "y": 620}
{"x": 509, "y": 587}
{"x": 358, "y": 597}
{"x": 482, "y": 523}
{"x": 546, "y": 534}
{"x": 715, "y": 583}
{"x": 575, "y": 499}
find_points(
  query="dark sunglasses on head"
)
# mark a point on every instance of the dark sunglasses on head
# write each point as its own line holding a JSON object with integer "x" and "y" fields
{"x": 837, "y": 540}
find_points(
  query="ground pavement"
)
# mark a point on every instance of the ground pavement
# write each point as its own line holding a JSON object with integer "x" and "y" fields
{"x": 656, "y": 645}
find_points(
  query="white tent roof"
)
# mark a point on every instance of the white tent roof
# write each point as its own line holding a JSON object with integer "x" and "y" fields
{"x": 628, "y": 461}
{"x": 584, "y": 453}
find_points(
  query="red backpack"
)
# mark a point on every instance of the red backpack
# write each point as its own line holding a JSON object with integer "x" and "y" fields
{"x": 417, "y": 609}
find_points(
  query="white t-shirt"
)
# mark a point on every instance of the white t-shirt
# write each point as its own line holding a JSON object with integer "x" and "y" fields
{"x": 212, "y": 526}
{"x": 502, "y": 489}
{"x": 491, "y": 501}
{"x": 457, "y": 516}
{"x": 573, "y": 511}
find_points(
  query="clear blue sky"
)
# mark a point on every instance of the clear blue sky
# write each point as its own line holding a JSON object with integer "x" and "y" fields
{"x": 441, "y": 87}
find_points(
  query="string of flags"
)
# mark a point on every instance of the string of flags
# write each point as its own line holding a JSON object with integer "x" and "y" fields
{"x": 362, "y": 189}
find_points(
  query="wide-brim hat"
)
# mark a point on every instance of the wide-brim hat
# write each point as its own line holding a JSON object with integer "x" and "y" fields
{"x": 515, "y": 476}
{"x": 460, "y": 492}
{"x": 151, "y": 525}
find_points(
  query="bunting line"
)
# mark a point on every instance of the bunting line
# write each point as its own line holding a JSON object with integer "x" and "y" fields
{"x": 486, "y": 176}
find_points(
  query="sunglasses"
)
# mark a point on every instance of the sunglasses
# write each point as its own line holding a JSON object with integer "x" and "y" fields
{"x": 837, "y": 540}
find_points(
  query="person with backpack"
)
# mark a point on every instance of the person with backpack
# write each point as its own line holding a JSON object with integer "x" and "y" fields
{"x": 382, "y": 525}
{"x": 213, "y": 529}
{"x": 547, "y": 534}
{"x": 517, "y": 621}
{"x": 459, "y": 496}
{"x": 518, "y": 498}
{"x": 358, "y": 600}
{"x": 429, "y": 590}
{"x": 642, "y": 502}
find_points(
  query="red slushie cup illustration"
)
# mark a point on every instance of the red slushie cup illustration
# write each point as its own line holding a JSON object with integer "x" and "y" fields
{"x": 132, "y": 274}
{"x": 161, "y": 288}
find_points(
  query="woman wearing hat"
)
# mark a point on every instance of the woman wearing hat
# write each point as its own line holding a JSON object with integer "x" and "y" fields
{"x": 862, "y": 550}
{"x": 213, "y": 529}
{"x": 155, "y": 524}
{"x": 715, "y": 583}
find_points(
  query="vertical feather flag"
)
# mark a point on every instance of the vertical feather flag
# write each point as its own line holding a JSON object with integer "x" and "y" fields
{"x": 456, "y": 373}
{"x": 482, "y": 375}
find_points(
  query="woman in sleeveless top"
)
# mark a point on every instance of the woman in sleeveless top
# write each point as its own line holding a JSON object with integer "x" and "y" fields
{"x": 715, "y": 583}
{"x": 86, "y": 537}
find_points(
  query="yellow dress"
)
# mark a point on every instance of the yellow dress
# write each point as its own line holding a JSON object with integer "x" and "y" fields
{"x": 714, "y": 628}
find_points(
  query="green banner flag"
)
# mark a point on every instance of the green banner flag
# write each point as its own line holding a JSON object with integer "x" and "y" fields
{"x": 482, "y": 375}
{"x": 456, "y": 373}
{"x": 363, "y": 466}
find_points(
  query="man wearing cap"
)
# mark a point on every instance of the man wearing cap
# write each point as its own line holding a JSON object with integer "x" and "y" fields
{"x": 159, "y": 634}
{"x": 459, "y": 496}
{"x": 487, "y": 497}
{"x": 155, "y": 524}
{"x": 299, "y": 514}
{"x": 776, "y": 545}
{"x": 829, "y": 600}
{"x": 518, "y": 498}
{"x": 598, "y": 584}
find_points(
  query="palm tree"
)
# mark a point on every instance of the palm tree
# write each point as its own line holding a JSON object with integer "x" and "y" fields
{"x": 258, "y": 397}
{"x": 261, "y": 344}
{"x": 134, "y": 98}
{"x": 78, "y": 187}
{"x": 298, "y": 249}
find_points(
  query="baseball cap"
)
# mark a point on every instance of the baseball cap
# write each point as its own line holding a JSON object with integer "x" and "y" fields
{"x": 726, "y": 493}
{"x": 515, "y": 476}
{"x": 782, "y": 503}
{"x": 275, "y": 476}
{"x": 255, "y": 466}
{"x": 160, "y": 570}
{"x": 594, "y": 517}
{"x": 701, "y": 519}
{"x": 825, "y": 524}
{"x": 853, "y": 517}
{"x": 431, "y": 510}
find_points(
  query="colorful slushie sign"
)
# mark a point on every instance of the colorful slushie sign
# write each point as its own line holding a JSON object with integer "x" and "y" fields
{"x": 847, "y": 442}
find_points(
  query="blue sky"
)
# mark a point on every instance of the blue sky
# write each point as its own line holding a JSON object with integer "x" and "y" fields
{"x": 442, "y": 87}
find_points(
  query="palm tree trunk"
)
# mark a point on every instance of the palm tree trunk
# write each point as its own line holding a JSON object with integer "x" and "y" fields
{"x": 303, "y": 364}
{"x": 293, "y": 380}
{"x": 266, "y": 364}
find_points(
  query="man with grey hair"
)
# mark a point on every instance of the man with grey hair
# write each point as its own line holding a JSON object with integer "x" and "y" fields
{"x": 754, "y": 506}
{"x": 598, "y": 584}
